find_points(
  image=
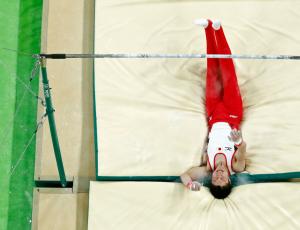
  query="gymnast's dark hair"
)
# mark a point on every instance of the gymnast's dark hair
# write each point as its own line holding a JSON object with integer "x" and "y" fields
{"x": 220, "y": 192}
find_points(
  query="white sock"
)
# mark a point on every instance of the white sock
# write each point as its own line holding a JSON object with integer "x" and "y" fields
{"x": 216, "y": 24}
{"x": 202, "y": 22}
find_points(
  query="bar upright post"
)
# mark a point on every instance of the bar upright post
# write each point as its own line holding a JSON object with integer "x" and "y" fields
{"x": 50, "y": 114}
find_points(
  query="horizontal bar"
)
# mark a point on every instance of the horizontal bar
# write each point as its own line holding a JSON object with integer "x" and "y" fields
{"x": 144, "y": 55}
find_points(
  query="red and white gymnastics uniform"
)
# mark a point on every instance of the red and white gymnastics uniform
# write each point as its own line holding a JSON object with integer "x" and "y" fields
{"x": 224, "y": 105}
{"x": 220, "y": 144}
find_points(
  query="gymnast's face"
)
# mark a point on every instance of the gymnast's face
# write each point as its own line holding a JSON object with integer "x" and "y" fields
{"x": 220, "y": 176}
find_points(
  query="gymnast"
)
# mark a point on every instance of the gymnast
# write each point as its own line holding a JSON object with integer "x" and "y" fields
{"x": 225, "y": 150}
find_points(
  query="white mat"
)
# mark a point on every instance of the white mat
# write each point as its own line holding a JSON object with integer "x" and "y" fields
{"x": 170, "y": 206}
{"x": 150, "y": 113}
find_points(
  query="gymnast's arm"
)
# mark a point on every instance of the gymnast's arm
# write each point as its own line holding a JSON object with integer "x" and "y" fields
{"x": 240, "y": 157}
{"x": 190, "y": 177}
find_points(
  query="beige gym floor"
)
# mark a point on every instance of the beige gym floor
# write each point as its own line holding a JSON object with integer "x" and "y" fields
{"x": 67, "y": 28}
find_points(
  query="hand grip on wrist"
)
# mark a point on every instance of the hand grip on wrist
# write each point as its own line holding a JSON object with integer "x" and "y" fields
{"x": 194, "y": 185}
{"x": 236, "y": 137}
{"x": 189, "y": 184}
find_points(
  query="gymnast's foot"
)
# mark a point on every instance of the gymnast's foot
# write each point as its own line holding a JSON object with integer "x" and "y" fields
{"x": 202, "y": 22}
{"x": 216, "y": 24}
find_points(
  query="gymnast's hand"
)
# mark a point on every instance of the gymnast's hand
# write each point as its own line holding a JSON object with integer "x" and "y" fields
{"x": 236, "y": 137}
{"x": 194, "y": 186}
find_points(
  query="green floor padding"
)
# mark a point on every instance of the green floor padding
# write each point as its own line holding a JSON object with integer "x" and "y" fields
{"x": 20, "y": 23}
{"x": 8, "y": 38}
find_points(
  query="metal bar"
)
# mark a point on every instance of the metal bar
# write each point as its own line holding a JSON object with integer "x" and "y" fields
{"x": 50, "y": 113}
{"x": 145, "y": 55}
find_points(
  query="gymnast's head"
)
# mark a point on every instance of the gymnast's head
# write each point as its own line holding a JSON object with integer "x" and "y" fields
{"x": 220, "y": 186}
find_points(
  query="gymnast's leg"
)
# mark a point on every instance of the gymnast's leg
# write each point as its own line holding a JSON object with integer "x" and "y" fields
{"x": 231, "y": 94}
{"x": 214, "y": 87}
